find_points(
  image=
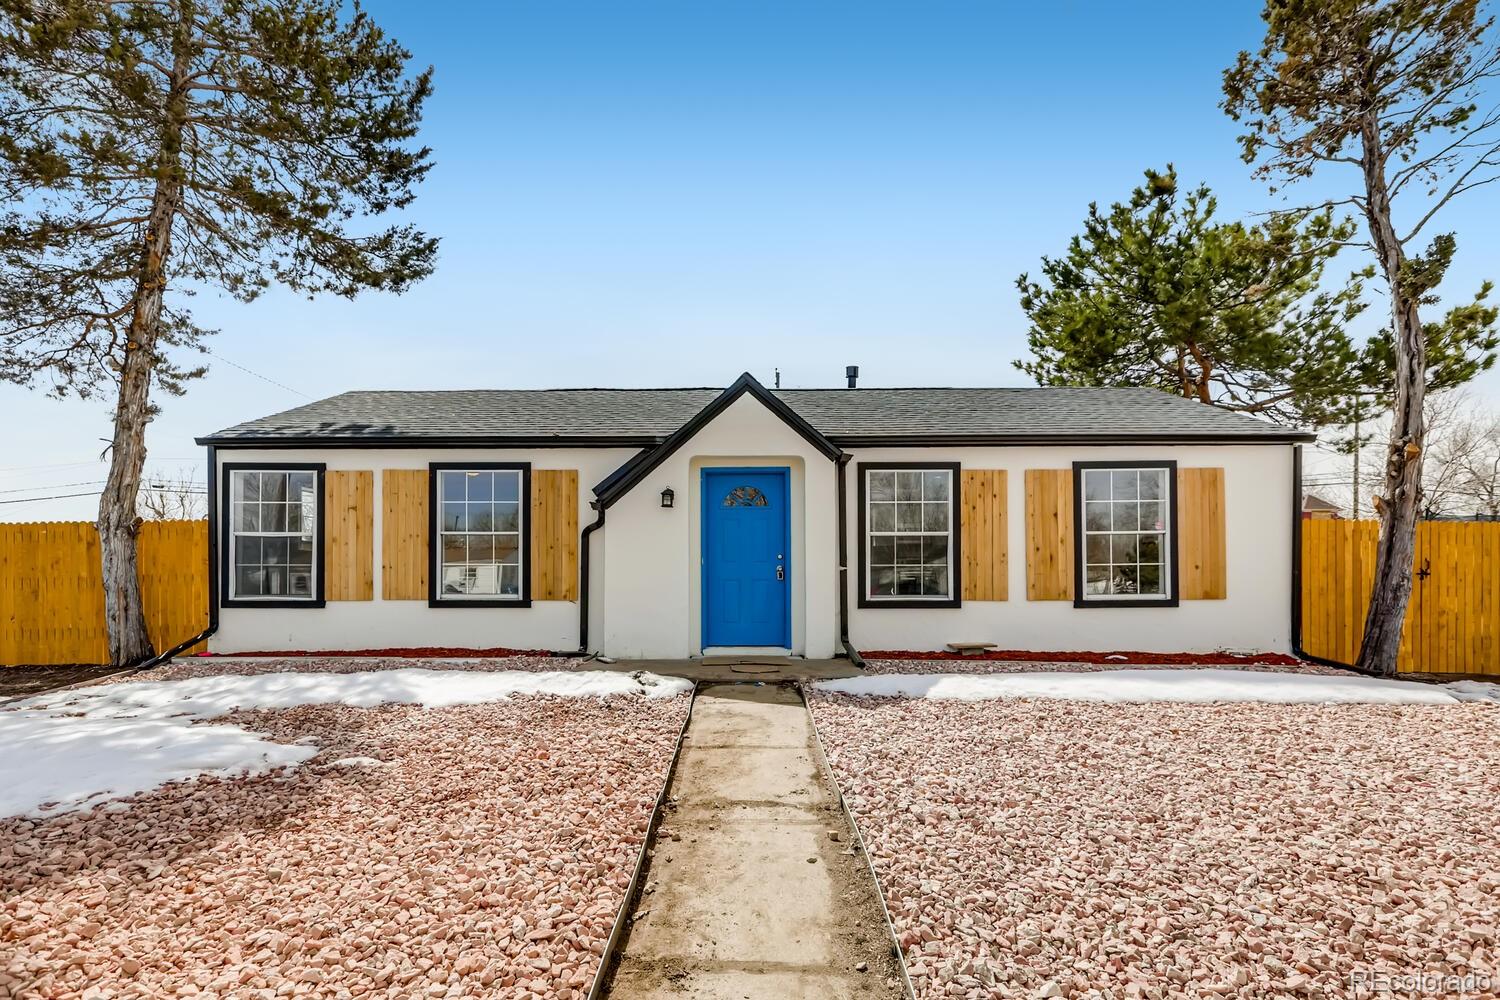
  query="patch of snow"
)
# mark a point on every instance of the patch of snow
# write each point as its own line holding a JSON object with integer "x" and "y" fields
{"x": 54, "y": 763}
{"x": 358, "y": 762}
{"x": 73, "y": 749}
{"x": 1195, "y": 686}
{"x": 1473, "y": 690}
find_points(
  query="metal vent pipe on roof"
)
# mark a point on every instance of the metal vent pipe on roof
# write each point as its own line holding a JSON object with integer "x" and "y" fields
{"x": 851, "y": 372}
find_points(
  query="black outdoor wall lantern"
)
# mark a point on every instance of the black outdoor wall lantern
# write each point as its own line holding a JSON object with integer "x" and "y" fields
{"x": 668, "y": 497}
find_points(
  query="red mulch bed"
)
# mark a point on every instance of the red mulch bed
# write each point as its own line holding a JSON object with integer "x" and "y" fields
{"x": 449, "y": 652}
{"x": 1108, "y": 656}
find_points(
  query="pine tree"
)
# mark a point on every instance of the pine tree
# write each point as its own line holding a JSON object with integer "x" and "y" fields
{"x": 1158, "y": 292}
{"x": 149, "y": 150}
{"x": 1391, "y": 89}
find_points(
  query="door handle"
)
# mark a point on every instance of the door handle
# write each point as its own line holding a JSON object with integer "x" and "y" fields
{"x": 780, "y": 573}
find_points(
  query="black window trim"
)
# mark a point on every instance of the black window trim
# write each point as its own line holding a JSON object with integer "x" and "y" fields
{"x": 1080, "y": 536}
{"x": 434, "y": 563}
{"x": 955, "y": 526}
{"x": 226, "y": 506}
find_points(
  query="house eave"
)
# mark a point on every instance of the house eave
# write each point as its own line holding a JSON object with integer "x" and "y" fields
{"x": 850, "y": 441}
{"x": 435, "y": 441}
{"x": 842, "y": 441}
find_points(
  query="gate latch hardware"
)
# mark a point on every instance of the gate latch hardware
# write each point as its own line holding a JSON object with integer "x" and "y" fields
{"x": 780, "y": 573}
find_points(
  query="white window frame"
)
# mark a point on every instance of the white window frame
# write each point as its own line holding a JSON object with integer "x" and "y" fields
{"x": 867, "y": 597}
{"x": 522, "y": 596}
{"x": 311, "y": 530}
{"x": 1168, "y": 500}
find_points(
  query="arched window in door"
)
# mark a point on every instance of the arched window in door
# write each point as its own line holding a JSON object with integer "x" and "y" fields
{"x": 745, "y": 496}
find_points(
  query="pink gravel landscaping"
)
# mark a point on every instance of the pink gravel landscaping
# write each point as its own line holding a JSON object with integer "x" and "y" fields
{"x": 965, "y": 665}
{"x": 470, "y": 851}
{"x": 1044, "y": 848}
{"x": 188, "y": 667}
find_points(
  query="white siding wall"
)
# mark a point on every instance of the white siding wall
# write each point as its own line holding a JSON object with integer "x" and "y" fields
{"x": 646, "y": 568}
{"x": 379, "y": 624}
{"x": 1256, "y": 615}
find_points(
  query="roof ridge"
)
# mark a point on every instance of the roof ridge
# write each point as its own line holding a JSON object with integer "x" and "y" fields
{"x": 573, "y": 388}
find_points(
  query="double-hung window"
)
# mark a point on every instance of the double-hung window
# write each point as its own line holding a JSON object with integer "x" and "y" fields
{"x": 480, "y": 552}
{"x": 1127, "y": 514}
{"x": 909, "y": 547}
{"x": 272, "y": 534}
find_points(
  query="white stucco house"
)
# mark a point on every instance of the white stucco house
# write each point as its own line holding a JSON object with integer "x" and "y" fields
{"x": 674, "y": 522}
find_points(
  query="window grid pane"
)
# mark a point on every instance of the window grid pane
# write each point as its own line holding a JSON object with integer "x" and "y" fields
{"x": 273, "y": 521}
{"x": 908, "y": 532}
{"x": 1125, "y": 533}
{"x": 480, "y": 549}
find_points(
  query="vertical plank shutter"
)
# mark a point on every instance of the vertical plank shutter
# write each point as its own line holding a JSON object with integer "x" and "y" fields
{"x": 554, "y": 534}
{"x": 985, "y": 559}
{"x": 1200, "y": 534}
{"x": 349, "y": 536}
{"x": 403, "y": 535}
{"x": 1049, "y": 534}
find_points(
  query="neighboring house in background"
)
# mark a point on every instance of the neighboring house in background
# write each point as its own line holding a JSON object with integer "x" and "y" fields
{"x": 1315, "y": 507}
{"x": 670, "y": 522}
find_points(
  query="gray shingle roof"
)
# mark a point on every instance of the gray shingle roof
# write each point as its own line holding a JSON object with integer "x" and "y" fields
{"x": 643, "y": 416}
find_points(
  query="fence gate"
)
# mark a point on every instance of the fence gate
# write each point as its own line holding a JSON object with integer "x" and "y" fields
{"x": 1453, "y": 621}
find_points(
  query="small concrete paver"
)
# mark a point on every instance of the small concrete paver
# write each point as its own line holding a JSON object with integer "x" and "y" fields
{"x": 752, "y": 890}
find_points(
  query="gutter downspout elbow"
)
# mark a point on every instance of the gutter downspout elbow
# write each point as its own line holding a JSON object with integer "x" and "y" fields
{"x": 213, "y": 573}
{"x": 583, "y": 577}
{"x": 843, "y": 527}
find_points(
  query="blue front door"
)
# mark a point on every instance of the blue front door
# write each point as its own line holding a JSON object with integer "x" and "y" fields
{"x": 747, "y": 576}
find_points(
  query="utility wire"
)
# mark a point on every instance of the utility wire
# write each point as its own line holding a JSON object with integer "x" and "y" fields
{"x": 92, "y": 461}
{"x": 55, "y": 486}
{"x": 94, "y": 493}
{"x": 247, "y": 371}
{"x": 57, "y": 496}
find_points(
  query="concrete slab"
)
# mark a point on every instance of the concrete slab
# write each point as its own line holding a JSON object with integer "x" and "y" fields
{"x": 691, "y": 983}
{"x": 748, "y": 774}
{"x": 764, "y": 919}
{"x": 698, "y": 670}
{"x": 725, "y": 722}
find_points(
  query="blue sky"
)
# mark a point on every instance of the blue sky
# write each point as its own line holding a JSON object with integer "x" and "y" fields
{"x": 654, "y": 193}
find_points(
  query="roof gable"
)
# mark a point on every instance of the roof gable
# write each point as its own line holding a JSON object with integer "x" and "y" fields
{"x": 623, "y": 479}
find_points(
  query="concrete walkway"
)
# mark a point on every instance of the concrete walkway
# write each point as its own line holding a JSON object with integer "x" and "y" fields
{"x": 752, "y": 890}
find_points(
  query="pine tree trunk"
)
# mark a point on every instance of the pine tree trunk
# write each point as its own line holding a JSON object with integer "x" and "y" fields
{"x": 1403, "y": 470}
{"x": 119, "y": 520}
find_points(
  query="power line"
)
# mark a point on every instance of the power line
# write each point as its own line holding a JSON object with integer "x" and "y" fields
{"x": 57, "y": 496}
{"x": 94, "y": 493}
{"x": 92, "y": 461}
{"x": 54, "y": 486}
{"x": 247, "y": 371}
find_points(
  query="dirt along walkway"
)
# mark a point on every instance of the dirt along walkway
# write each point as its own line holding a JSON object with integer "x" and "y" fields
{"x": 753, "y": 889}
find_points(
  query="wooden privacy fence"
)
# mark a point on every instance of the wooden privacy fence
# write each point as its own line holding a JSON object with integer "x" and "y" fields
{"x": 1453, "y": 621}
{"x": 52, "y": 599}
{"x": 52, "y": 595}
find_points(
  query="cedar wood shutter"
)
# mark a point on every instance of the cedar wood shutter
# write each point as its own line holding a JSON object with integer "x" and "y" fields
{"x": 403, "y": 534}
{"x": 1049, "y": 534}
{"x": 554, "y": 534}
{"x": 1200, "y": 535}
{"x": 349, "y": 536}
{"x": 985, "y": 561}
